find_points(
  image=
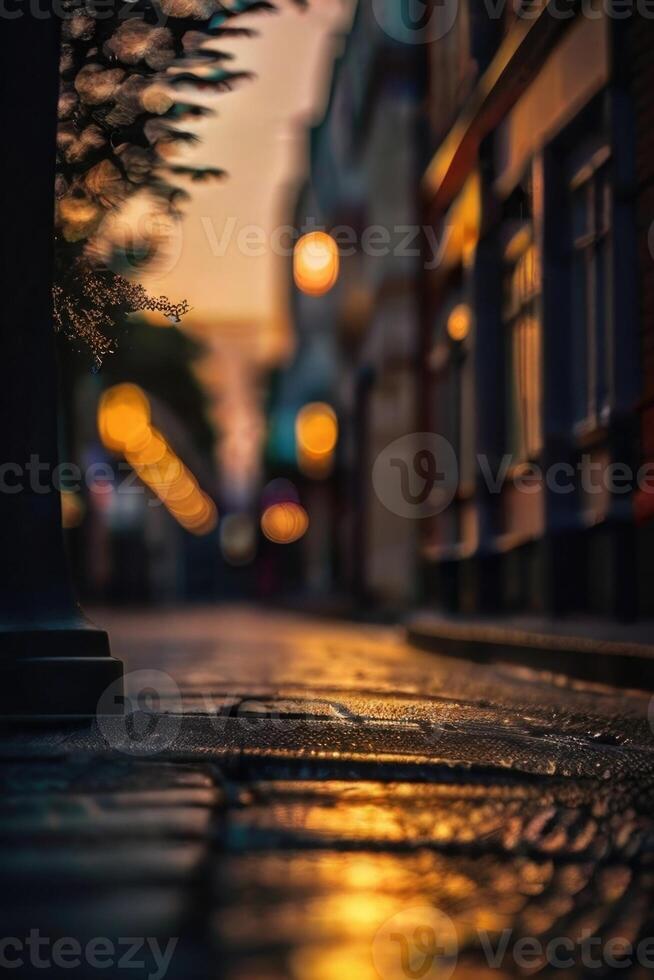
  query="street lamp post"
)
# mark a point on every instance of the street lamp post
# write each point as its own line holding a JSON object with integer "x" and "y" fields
{"x": 51, "y": 660}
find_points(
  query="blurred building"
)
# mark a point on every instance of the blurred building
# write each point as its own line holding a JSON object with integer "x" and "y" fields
{"x": 535, "y": 177}
{"x": 358, "y": 342}
{"x": 516, "y": 143}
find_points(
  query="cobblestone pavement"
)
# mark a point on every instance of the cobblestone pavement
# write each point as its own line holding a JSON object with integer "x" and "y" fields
{"x": 301, "y": 800}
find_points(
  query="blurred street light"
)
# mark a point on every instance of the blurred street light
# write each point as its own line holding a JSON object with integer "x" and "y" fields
{"x": 459, "y": 322}
{"x": 316, "y": 436}
{"x": 124, "y": 426}
{"x": 284, "y": 523}
{"x": 316, "y": 263}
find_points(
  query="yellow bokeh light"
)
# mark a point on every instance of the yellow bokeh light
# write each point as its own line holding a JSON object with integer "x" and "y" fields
{"x": 181, "y": 489}
{"x": 316, "y": 429}
{"x": 124, "y": 426}
{"x": 163, "y": 474}
{"x": 153, "y": 451}
{"x": 316, "y": 436}
{"x": 204, "y": 521}
{"x": 124, "y": 417}
{"x": 316, "y": 263}
{"x": 459, "y": 322}
{"x": 284, "y": 523}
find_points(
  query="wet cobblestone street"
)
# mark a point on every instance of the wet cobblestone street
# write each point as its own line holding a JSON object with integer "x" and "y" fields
{"x": 309, "y": 800}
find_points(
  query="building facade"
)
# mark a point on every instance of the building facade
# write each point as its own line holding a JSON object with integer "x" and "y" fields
{"x": 516, "y": 140}
{"x": 357, "y": 345}
{"x": 536, "y": 180}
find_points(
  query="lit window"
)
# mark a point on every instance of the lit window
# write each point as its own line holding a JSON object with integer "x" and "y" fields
{"x": 523, "y": 351}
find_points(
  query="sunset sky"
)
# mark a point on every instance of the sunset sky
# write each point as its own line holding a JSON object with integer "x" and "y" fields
{"x": 259, "y": 135}
{"x": 239, "y": 300}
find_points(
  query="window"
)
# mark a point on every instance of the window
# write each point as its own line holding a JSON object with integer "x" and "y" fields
{"x": 522, "y": 287}
{"x": 592, "y": 291}
{"x": 452, "y": 408}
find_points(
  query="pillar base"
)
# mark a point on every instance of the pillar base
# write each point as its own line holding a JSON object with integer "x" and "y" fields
{"x": 55, "y": 672}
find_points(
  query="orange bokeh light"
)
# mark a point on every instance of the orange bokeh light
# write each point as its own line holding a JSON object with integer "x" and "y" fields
{"x": 124, "y": 426}
{"x": 284, "y": 523}
{"x": 459, "y": 322}
{"x": 316, "y": 263}
{"x": 316, "y": 429}
{"x": 316, "y": 436}
{"x": 124, "y": 417}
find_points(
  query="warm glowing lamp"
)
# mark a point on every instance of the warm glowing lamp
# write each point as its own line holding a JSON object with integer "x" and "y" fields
{"x": 284, "y": 523}
{"x": 124, "y": 426}
{"x": 316, "y": 429}
{"x": 124, "y": 417}
{"x": 316, "y": 263}
{"x": 459, "y": 322}
{"x": 316, "y": 435}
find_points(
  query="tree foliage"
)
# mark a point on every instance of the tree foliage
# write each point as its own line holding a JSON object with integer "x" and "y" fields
{"x": 121, "y": 114}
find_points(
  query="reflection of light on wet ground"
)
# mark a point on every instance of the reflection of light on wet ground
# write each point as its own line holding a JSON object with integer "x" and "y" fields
{"x": 322, "y": 843}
{"x": 325, "y": 963}
{"x": 320, "y": 913}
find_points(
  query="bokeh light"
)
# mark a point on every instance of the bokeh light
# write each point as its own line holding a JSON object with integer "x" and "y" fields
{"x": 459, "y": 322}
{"x": 316, "y": 429}
{"x": 124, "y": 426}
{"x": 284, "y": 523}
{"x": 124, "y": 417}
{"x": 316, "y": 436}
{"x": 316, "y": 263}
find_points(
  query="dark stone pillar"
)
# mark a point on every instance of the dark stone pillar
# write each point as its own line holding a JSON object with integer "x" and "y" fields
{"x": 51, "y": 660}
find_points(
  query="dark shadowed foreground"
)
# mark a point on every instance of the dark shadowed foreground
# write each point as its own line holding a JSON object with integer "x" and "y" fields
{"x": 316, "y": 801}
